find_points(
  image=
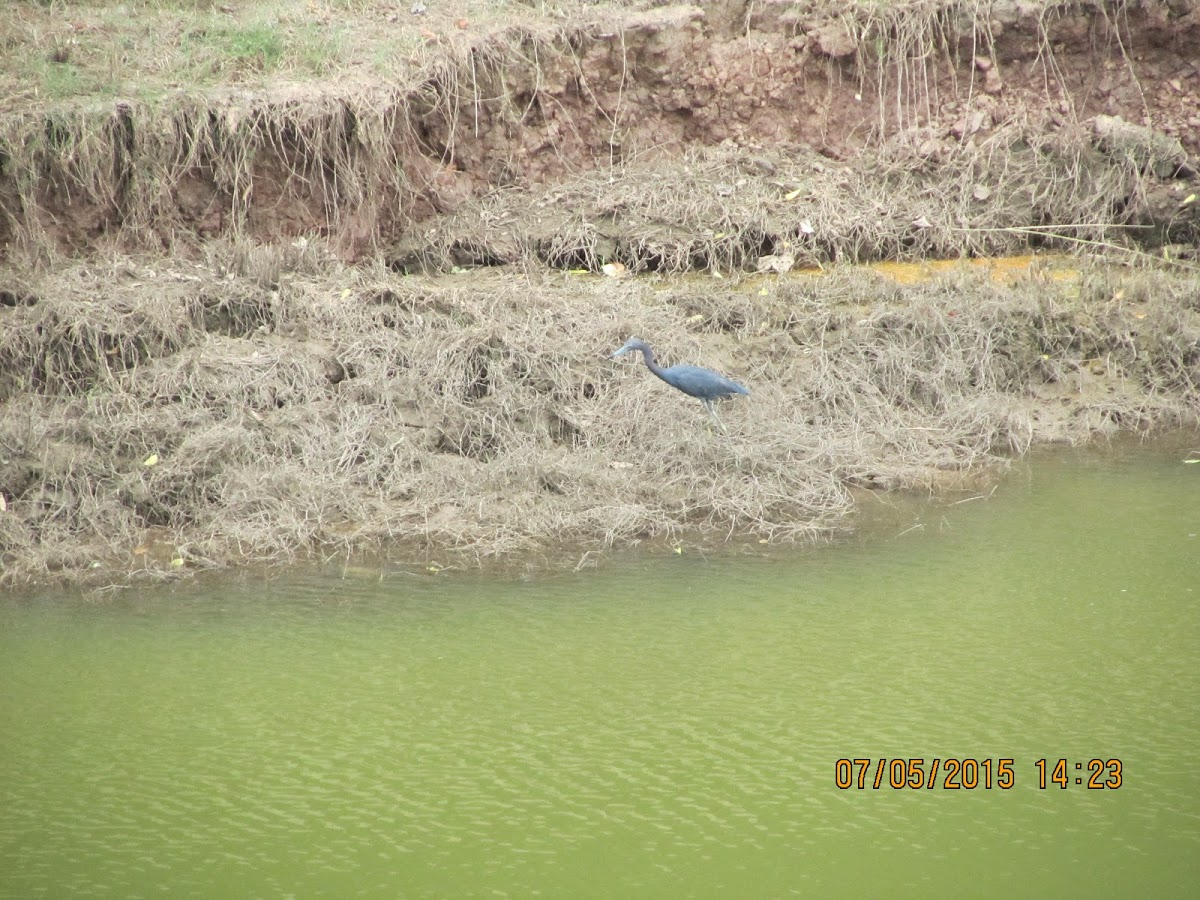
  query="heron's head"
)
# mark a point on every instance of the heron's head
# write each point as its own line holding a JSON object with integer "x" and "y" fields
{"x": 631, "y": 344}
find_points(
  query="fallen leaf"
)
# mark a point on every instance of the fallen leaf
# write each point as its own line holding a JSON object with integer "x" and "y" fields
{"x": 345, "y": 293}
{"x": 922, "y": 222}
{"x": 792, "y": 195}
{"x": 177, "y": 562}
{"x": 3, "y": 503}
{"x": 151, "y": 460}
{"x": 1190, "y": 198}
{"x": 981, "y": 192}
{"x": 806, "y": 226}
{"x": 613, "y": 269}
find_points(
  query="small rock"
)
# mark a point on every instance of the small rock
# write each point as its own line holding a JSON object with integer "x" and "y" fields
{"x": 983, "y": 63}
{"x": 1143, "y": 147}
{"x": 761, "y": 164}
{"x": 992, "y": 82}
{"x": 834, "y": 40}
{"x": 1007, "y": 12}
{"x": 780, "y": 264}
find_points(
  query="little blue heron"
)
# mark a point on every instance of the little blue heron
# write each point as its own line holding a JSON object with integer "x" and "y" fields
{"x": 704, "y": 384}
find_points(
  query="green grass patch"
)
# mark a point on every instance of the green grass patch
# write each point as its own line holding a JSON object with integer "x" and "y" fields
{"x": 258, "y": 48}
{"x": 60, "y": 80}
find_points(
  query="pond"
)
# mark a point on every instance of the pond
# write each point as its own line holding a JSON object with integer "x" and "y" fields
{"x": 663, "y": 725}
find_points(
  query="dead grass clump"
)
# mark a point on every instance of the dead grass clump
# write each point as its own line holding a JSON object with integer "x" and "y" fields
{"x": 716, "y": 211}
{"x": 910, "y": 392}
{"x": 88, "y": 333}
{"x": 470, "y": 417}
{"x": 1147, "y": 330}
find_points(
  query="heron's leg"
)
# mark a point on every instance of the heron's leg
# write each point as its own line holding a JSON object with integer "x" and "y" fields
{"x": 708, "y": 404}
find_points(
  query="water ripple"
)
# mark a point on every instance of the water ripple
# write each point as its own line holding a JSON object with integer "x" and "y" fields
{"x": 660, "y": 728}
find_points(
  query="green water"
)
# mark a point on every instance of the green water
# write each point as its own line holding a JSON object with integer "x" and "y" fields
{"x": 659, "y": 727}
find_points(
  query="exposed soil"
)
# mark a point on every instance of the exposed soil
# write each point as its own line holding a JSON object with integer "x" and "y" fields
{"x": 534, "y": 104}
{"x": 248, "y": 324}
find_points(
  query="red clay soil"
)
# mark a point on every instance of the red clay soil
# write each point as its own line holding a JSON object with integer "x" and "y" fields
{"x": 508, "y": 108}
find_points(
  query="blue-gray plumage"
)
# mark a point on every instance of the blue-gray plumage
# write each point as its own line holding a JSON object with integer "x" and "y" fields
{"x": 704, "y": 384}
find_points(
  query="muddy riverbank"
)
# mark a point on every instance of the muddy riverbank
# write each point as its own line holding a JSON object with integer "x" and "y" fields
{"x": 268, "y": 311}
{"x": 163, "y": 419}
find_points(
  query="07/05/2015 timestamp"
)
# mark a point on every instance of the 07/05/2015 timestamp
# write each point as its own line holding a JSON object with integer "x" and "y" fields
{"x": 956, "y": 774}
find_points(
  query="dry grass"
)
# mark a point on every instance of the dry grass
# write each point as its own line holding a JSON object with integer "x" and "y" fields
{"x": 143, "y": 50}
{"x": 206, "y": 126}
{"x": 716, "y": 210}
{"x": 155, "y": 168}
{"x": 226, "y": 399}
{"x": 295, "y": 404}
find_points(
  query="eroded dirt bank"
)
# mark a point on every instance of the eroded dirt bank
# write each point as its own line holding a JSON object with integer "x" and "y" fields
{"x": 240, "y": 326}
{"x": 920, "y": 92}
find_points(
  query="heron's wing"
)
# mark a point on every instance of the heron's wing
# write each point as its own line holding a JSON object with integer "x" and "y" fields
{"x": 700, "y": 382}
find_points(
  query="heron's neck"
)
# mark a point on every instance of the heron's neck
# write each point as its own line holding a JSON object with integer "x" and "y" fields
{"x": 648, "y": 357}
